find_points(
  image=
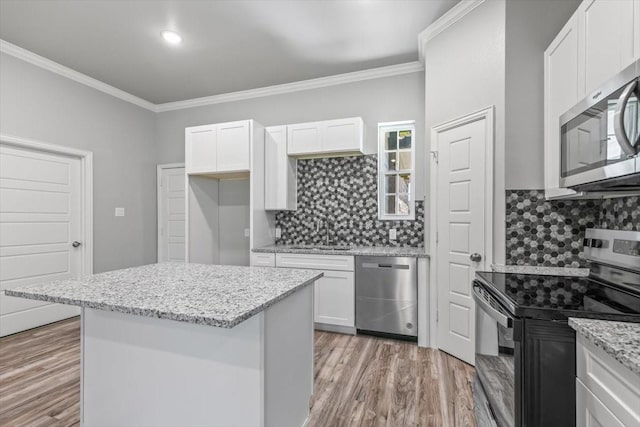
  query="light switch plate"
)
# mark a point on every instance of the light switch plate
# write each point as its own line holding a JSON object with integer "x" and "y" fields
{"x": 119, "y": 211}
{"x": 278, "y": 232}
{"x": 392, "y": 234}
{"x": 246, "y": 232}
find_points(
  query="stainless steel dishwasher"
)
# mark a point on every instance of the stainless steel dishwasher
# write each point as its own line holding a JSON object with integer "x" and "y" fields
{"x": 387, "y": 295}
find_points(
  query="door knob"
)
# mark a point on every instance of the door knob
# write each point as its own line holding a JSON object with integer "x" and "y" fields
{"x": 475, "y": 257}
{"x": 76, "y": 244}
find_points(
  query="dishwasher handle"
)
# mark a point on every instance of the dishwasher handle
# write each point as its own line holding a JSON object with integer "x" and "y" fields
{"x": 386, "y": 266}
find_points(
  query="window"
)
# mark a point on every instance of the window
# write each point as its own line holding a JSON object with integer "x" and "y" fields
{"x": 396, "y": 170}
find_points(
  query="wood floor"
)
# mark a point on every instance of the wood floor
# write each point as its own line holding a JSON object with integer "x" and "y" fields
{"x": 359, "y": 381}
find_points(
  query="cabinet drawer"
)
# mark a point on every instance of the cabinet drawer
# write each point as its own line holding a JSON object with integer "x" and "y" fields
{"x": 263, "y": 260}
{"x": 315, "y": 262}
{"x": 616, "y": 386}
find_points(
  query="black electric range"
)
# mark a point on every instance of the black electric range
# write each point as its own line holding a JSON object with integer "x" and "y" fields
{"x": 561, "y": 297}
{"x": 525, "y": 350}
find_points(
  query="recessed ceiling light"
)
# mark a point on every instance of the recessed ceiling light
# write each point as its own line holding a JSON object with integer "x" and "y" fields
{"x": 171, "y": 37}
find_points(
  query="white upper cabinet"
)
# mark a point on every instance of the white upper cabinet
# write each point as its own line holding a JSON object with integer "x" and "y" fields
{"x": 200, "y": 149}
{"x": 327, "y": 137}
{"x": 608, "y": 39}
{"x": 560, "y": 94}
{"x": 233, "y": 146}
{"x": 218, "y": 148}
{"x": 342, "y": 135}
{"x": 279, "y": 171}
{"x": 304, "y": 138}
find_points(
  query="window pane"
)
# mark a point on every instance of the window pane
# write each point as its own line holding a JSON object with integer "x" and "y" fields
{"x": 405, "y": 183}
{"x": 403, "y": 204}
{"x": 390, "y": 161}
{"x": 391, "y": 140}
{"x": 390, "y": 205}
{"x": 405, "y": 160}
{"x": 405, "y": 139}
{"x": 390, "y": 184}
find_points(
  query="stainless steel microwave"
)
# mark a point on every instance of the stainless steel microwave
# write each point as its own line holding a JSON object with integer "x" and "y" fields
{"x": 600, "y": 137}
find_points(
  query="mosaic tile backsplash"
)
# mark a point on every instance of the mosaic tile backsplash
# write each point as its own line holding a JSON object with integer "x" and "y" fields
{"x": 550, "y": 233}
{"x": 344, "y": 191}
{"x": 620, "y": 214}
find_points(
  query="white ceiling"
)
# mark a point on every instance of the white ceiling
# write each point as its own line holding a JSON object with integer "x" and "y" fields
{"x": 229, "y": 45}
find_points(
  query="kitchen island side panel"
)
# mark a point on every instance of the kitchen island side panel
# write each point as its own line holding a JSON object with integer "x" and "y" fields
{"x": 146, "y": 371}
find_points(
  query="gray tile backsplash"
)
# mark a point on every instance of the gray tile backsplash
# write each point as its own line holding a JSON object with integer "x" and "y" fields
{"x": 344, "y": 191}
{"x": 550, "y": 233}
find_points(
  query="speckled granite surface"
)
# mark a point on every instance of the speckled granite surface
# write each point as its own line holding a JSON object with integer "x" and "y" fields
{"x": 353, "y": 250}
{"x": 540, "y": 270}
{"x": 621, "y": 340}
{"x": 215, "y": 295}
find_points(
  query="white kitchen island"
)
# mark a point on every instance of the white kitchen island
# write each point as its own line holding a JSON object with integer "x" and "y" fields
{"x": 192, "y": 345}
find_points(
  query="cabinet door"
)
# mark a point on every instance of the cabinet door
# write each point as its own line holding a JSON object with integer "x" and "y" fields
{"x": 279, "y": 171}
{"x": 606, "y": 29}
{"x": 233, "y": 148}
{"x": 342, "y": 135}
{"x": 334, "y": 298}
{"x": 590, "y": 411}
{"x": 304, "y": 138}
{"x": 200, "y": 149}
{"x": 560, "y": 94}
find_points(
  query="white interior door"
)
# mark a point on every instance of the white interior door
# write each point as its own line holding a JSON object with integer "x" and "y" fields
{"x": 460, "y": 200}
{"x": 40, "y": 219}
{"x": 171, "y": 214}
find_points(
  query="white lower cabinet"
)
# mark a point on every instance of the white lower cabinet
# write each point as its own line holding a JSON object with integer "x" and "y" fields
{"x": 334, "y": 298}
{"x": 591, "y": 412}
{"x": 334, "y": 293}
{"x": 607, "y": 393}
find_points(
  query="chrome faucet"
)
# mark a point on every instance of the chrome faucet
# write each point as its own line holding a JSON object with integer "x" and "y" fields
{"x": 326, "y": 227}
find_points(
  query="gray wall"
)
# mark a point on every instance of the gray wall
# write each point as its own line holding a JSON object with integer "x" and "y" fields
{"x": 380, "y": 100}
{"x": 530, "y": 28}
{"x": 465, "y": 72}
{"x": 40, "y": 105}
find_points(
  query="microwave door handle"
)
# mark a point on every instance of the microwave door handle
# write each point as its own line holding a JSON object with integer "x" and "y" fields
{"x": 618, "y": 120}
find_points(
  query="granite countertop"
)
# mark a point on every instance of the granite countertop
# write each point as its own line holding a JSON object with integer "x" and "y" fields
{"x": 540, "y": 270}
{"x": 621, "y": 340}
{"x": 353, "y": 250}
{"x": 215, "y": 295}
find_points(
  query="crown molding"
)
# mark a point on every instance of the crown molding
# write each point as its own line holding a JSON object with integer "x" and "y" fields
{"x": 452, "y": 16}
{"x": 356, "y": 76}
{"x": 54, "y": 67}
{"x": 338, "y": 79}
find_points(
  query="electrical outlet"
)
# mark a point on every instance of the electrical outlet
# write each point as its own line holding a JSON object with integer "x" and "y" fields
{"x": 392, "y": 234}
{"x": 119, "y": 211}
{"x": 278, "y": 232}
{"x": 246, "y": 232}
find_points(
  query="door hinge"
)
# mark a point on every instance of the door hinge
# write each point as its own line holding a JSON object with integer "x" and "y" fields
{"x": 437, "y": 315}
{"x": 437, "y": 237}
{"x": 435, "y": 155}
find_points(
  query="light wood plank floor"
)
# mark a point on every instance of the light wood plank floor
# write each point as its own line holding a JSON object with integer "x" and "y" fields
{"x": 359, "y": 381}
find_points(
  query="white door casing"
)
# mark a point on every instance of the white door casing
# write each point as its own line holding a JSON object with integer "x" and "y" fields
{"x": 462, "y": 185}
{"x": 171, "y": 212}
{"x": 45, "y": 206}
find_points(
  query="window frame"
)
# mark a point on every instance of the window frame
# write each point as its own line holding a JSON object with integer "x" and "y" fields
{"x": 383, "y": 173}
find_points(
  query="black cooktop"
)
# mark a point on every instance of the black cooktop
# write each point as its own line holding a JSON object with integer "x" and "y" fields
{"x": 559, "y": 297}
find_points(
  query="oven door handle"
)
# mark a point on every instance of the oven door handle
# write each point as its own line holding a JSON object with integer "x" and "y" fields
{"x": 496, "y": 315}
